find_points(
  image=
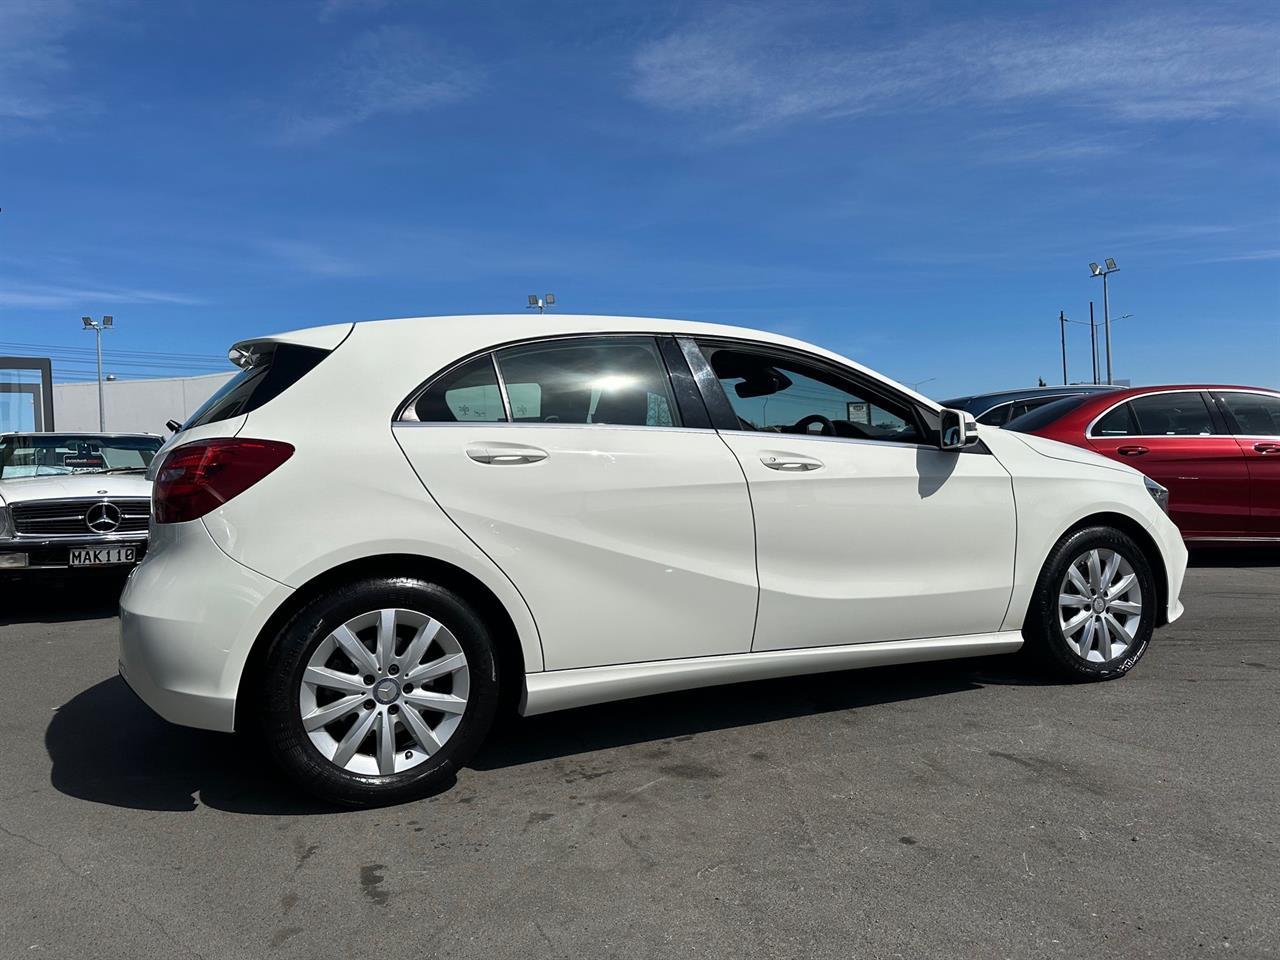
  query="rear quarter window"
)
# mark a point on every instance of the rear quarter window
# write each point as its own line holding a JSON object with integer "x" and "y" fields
{"x": 264, "y": 381}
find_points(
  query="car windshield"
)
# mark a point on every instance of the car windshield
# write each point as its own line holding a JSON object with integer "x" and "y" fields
{"x": 62, "y": 454}
{"x": 1040, "y": 417}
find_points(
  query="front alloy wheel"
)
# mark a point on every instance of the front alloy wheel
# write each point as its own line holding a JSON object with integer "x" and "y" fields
{"x": 1094, "y": 606}
{"x": 1100, "y": 605}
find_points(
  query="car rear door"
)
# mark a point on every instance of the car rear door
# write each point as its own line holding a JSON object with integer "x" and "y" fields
{"x": 1175, "y": 438}
{"x": 866, "y": 533}
{"x": 607, "y": 499}
{"x": 1254, "y": 418}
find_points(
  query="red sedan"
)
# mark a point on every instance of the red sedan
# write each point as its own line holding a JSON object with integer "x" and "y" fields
{"x": 1217, "y": 449}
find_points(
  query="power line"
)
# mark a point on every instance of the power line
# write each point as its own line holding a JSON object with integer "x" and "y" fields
{"x": 213, "y": 357}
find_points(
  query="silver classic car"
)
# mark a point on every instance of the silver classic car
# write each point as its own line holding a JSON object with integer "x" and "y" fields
{"x": 73, "y": 500}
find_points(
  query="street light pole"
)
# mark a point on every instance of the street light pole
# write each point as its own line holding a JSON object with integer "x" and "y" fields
{"x": 1109, "y": 268}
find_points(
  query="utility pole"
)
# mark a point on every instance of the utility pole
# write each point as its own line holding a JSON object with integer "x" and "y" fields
{"x": 97, "y": 328}
{"x": 1102, "y": 272}
{"x": 1062, "y": 331}
{"x": 1093, "y": 342}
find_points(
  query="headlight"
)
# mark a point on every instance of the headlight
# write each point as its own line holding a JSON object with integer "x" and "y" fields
{"x": 1158, "y": 493}
{"x": 6, "y": 524}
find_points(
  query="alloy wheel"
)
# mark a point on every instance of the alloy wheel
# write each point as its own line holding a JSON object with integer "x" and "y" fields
{"x": 384, "y": 691}
{"x": 1100, "y": 605}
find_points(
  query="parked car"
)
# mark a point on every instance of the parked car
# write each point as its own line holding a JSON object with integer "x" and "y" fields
{"x": 74, "y": 500}
{"x": 997, "y": 409}
{"x": 376, "y": 534}
{"x": 1216, "y": 449}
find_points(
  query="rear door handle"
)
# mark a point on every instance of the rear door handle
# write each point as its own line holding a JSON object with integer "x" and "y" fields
{"x": 1267, "y": 447}
{"x": 505, "y": 455}
{"x": 792, "y": 464}
{"x": 1132, "y": 451}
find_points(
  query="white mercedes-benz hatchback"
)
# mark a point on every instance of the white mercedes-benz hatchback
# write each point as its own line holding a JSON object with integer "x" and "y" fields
{"x": 378, "y": 534}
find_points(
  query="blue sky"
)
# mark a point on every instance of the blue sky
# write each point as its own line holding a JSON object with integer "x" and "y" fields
{"x": 918, "y": 185}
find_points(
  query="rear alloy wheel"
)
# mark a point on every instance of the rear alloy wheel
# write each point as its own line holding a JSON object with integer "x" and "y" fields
{"x": 377, "y": 692}
{"x": 384, "y": 691}
{"x": 1094, "y": 607}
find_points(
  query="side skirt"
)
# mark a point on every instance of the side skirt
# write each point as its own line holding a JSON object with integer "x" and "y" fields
{"x": 562, "y": 689}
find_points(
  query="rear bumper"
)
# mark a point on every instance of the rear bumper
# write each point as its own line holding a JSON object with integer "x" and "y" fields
{"x": 188, "y": 617}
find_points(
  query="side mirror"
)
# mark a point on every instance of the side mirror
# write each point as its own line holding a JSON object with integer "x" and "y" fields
{"x": 956, "y": 430}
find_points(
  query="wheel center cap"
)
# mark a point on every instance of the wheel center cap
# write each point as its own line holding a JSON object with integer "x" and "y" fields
{"x": 1099, "y": 604}
{"x": 386, "y": 691}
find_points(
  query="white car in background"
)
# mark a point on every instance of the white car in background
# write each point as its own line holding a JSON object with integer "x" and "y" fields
{"x": 378, "y": 533}
{"x": 74, "y": 500}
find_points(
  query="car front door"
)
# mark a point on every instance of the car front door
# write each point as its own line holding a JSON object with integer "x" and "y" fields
{"x": 865, "y": 531}
{"x": 1174, "y": 439}
{"x": 600, "y": 490}
{"x": 1254, "y": 418}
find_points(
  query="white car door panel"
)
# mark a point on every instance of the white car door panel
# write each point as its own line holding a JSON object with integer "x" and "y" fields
{"x": 628, "y": 543}
{"x": 881, "y": 541}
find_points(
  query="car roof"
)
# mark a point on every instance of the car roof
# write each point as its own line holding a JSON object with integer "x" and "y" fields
{"x": 1082, "y": 415}
{"x": 469, "y": 332}
{"x": 995, "y": 398}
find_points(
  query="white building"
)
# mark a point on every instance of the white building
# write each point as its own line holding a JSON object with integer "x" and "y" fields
{"x": 133, "y": 406}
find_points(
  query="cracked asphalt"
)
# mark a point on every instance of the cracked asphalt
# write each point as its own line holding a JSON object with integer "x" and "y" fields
{"x": 959, "y": 809}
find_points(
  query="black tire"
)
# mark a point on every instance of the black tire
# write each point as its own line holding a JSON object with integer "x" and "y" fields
{"x": 280, "y": 720}
{"x": 1042, "y": 630}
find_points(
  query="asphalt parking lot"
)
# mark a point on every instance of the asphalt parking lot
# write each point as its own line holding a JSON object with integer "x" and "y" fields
{"x": 961, "y": 809}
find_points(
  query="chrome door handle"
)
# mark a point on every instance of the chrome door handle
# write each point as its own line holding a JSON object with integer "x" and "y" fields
{"x": 1132, "y": 451}
{"x": 1267, "y": 447}
{"x": 792, "y": 464}
{"x": 505, "y": 456}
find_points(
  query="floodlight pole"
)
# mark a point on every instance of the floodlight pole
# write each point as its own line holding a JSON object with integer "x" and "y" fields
{"x": 97, "y": 328}
{"x": 1106, "y": 321}
{"x": 102, "y": 407}
{"x": 1062, "y": 332}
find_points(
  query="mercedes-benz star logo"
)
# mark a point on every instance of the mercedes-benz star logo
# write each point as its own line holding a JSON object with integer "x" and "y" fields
{"x": 103, "y": 517}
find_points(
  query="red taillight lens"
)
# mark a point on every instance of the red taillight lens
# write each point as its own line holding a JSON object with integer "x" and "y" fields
{"x": 201, "y": 476}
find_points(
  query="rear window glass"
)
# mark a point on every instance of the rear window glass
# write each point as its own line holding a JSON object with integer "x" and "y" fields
{"x": 1043, "y": 416}
{"x": 264, "y": 381}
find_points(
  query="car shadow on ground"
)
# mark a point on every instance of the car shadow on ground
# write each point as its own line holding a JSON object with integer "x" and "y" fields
{"x": 60, "y": 598}
{"x": 1260, "y": 556}
{"x": 108, "y": 747}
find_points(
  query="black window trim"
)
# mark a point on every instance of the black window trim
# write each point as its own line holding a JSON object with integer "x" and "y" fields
{"x": 726, "y": 420}
{"x": 406, "y": 415}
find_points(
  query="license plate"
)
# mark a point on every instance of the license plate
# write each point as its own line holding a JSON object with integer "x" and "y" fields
{"x": 103, "y": 556}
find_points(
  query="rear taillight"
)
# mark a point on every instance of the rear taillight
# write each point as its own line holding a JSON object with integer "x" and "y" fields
{"x": 200, "y": 476}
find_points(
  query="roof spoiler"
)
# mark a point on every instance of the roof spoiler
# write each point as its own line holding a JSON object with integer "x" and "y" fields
{"x": 246, "y": 353}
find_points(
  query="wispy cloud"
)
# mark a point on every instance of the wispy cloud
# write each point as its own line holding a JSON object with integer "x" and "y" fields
{"x": 305, "y": 257}
{"x": 332, "y": 9}
{"x": 757, "y": 68}
{"x": 33, "y": 59}
{"x": 1246, "y": 256}
{"x": 387, "y": 71}
{"x": 17, "y": 294}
